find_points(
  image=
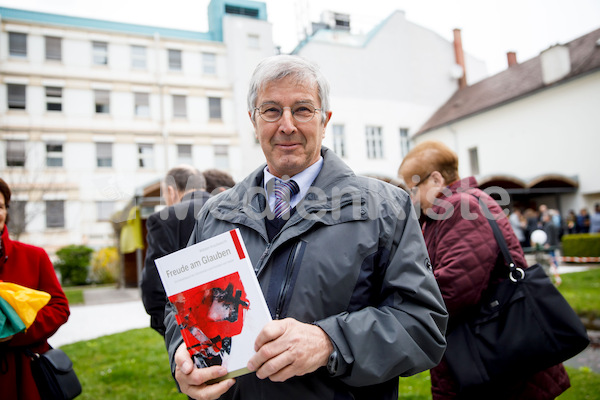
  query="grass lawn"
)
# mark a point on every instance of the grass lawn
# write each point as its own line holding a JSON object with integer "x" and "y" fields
{"x": 133, "y": 366}
{"x": 582, "y": 289}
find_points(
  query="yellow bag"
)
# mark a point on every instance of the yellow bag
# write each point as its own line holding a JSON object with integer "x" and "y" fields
{"x": 25, "y": 301}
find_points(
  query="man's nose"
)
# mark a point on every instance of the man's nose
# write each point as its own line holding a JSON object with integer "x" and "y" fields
{"x": 287, "y": 121}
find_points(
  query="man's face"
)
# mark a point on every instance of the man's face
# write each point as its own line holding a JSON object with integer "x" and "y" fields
{"x": 289, "y": 146}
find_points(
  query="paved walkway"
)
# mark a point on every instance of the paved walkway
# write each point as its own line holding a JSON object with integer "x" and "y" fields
{"x": 106, "y": 311}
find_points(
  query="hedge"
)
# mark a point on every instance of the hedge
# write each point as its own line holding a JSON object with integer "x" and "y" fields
{"x": 581, "y": 245}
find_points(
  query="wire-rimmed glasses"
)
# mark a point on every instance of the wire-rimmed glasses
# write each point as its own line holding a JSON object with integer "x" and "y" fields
{"x": 301, "y": 112}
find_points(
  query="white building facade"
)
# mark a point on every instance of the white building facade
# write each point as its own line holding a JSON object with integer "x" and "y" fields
{"x": 91, "y": 110}
{"x": 531, "y": 129}
{"x": 384, "y": 85}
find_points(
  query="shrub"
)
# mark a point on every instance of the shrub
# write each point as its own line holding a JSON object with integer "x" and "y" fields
{"x": 105, "y": 265}
{"x": 581, "y": 245}
{"x": 73, "y": 264}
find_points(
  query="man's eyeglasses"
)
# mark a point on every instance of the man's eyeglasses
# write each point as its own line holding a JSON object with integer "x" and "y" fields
{"x": 274, "y": 112}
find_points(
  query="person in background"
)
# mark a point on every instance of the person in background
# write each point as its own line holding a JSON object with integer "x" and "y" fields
{"x": 27, "y": 266}
{"x": 466, "y": 259}
{"x": 340, "y": 259}
{"x": 217, "y": 181}
{"x": 551, "y": 245}
{"x": 518, "y": 223}
{"x": 571, "y": 222}
{"x": 169, "y": 230}
{"x": 583, "y": 221}
{"x": 595, "y": 219}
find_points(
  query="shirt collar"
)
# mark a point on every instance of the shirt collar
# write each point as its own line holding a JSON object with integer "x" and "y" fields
{"x": 304, "y": 180}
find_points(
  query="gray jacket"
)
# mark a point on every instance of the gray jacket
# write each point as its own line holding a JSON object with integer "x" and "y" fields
{"x": 355, "y": 264}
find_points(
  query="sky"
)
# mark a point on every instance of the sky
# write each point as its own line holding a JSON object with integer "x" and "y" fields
{"x": 490, "y": 28}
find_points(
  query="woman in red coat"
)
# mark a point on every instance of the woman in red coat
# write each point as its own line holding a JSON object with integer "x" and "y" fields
{"x": 27, "y": 266}
{"x": 466, "y": 258}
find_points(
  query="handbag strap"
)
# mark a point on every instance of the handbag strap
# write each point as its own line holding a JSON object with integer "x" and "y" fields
{"x": 508, "y": 259}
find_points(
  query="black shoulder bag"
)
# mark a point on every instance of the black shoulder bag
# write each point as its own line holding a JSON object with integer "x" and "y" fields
{"x": 54, "y": 375}
{"x": 522, "y": 326}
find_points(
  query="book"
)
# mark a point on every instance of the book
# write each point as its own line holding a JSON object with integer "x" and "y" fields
{"x": 219, "y": 305}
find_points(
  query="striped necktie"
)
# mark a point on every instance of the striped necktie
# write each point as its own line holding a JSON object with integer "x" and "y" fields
{"x": 283, "y": 191}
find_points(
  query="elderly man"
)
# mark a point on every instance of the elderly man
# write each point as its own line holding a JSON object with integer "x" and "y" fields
{"x": 340, "y": 259}
{"x": 169, "y": 230}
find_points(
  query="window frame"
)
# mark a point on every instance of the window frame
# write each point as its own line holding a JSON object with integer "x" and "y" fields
{"x": 53, "y": 153}
{"x": 175, "y": 59}
{"x": 374, "y": 140}
{"x": 179, "y": 105}
{"x": 339, "y": 139}
{"x": 139, "y": 60}
{"x": 104, "y": 154}
{"x": 221, "y": 156}
{"x": 54, "y": 98}
{"x": 215, "y": 108}
{"x": 209, "y": 63}
{"x": 16, "y": 156}
{"x": 17, "y": 39}
{"x": 54, "y": 207}
{"x": 101, "y": 101}
{"x": 16, "y": 101}
{"x": 48, "y": 46}
{"x": 99, "y": 53}
{"x": 187, "y": 156}
{"x": 141, "y": 104}
{"x": 145, "y": 156}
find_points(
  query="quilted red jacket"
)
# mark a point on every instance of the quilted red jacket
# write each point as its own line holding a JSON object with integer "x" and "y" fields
{"x": 29, "y": 266}
{"x": 465, "y": 258}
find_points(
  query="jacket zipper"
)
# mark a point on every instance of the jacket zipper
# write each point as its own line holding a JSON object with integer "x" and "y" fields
{"x": 289, "y": 269}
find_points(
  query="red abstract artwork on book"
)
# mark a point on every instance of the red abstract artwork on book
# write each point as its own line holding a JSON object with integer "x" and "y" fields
{"x": 209, "y": 316}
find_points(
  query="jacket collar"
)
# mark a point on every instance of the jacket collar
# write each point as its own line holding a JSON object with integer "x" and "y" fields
{"x": 335, "y": 187}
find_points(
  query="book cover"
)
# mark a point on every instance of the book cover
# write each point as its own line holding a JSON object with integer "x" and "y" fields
{"x": 219, "y": 305}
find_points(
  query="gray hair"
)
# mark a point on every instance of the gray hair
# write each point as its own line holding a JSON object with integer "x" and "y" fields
{"x": 184, "y": 178}
{"x": 278, "y": 67}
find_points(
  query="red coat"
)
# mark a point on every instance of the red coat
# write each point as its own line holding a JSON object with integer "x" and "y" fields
{"x": 29, "y": 266}
{"x": 464, "y": 252}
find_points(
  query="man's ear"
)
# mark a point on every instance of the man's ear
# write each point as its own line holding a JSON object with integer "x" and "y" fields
{"x": 253, "y": 124}
{"x": 327, "y": 119}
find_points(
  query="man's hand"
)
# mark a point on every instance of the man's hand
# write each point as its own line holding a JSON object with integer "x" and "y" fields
{"x": 287, "y": 348}
{"x": 192, "y": 380}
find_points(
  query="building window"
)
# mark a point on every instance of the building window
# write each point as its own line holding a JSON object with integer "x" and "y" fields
{"x": 184, "y": 154}
{"x": 15, "y": 153}
{"x": 179, "y": 106}
{"x": 209, "y": 63}
{"x": 16, "y": 96}
{"x": 374, "y": 142}
{"x": 339, "y": 140}
{"x": 55, "y": 214}
{"x": 53, "y": 48}
{"x": 142, "y": 104}
{"x": 174, "y": 60}
{"x": 104, "y": 155}
{"x": 99, "y": 53}
{"x": 146, "y": 156}
{"x": 474, "y": 161}
{"x": 102, "y": 101}
{"x": 214, "y": 108}
{"x": 253, "y": 41}
{"x": 138, "y": 57}
{"x": 17, "y": 44}
{"x": 53, "y": 98}
{"x": 17, "y": 222}
{"x": 221, "y": 153}
{"x": 239, "y": 10}
{"x": 105, "y": 210}
{"x": 404, "y": 144}
{"x": 54, "y": 154}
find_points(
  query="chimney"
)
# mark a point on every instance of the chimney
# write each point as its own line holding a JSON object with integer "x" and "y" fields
{"x": 556, "y": 63}
{"x": 460, "y": 59}
{"x": 512, "y": 58}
